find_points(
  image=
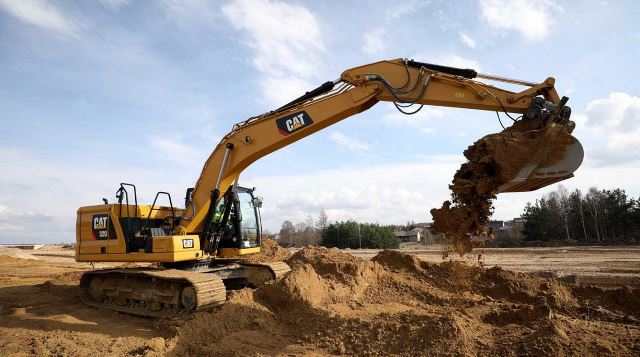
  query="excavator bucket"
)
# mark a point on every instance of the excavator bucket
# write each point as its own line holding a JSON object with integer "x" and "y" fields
{"x": 518, "y": 160}
{"x": 535, "y": 175}
{"x": 539, "y": 158}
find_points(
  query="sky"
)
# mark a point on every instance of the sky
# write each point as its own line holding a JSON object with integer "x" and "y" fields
{"x": 94, "y": 93}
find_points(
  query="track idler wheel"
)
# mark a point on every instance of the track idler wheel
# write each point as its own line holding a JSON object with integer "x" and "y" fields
{"x": 189, "y": 298}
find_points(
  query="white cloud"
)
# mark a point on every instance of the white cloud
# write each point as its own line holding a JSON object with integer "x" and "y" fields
{"x": 12, "y": 222}
{"x": 531, "y": 18}
{"x": 448, "y": 59}
{"x": 470, "y": 42}
{"x": 39, "y": 13}
{"x": 114, "y": 4}
{"x": 374, "y": 41}
{"x": 616, "y": 119}
{"x": 349, "y": 142}
{"x": 281, "y": 89}
{"x": 453, "y": 60}
{"x": 395, "y": 193}
{"x": 429, "y": 131}
{"x": 190, "y": 13}
{"x": 173, "y": 151}
{"x": 386, "y": 194}
{"x": 590, "y": 174}
{"x": 39, "y": 197}
{"x": 404, "y": 8}
{"x": 285, "y": 40}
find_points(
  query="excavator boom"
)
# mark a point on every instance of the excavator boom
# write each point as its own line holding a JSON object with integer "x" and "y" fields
{"x": 404, "y": 83}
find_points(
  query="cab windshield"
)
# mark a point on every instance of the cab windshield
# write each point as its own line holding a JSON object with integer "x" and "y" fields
{"x": 249, "y": 224}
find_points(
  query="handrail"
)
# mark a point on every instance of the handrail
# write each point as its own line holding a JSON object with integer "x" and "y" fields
{"x": 153, "y": 206}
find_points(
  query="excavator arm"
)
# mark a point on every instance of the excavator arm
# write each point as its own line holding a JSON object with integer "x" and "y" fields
{"x": 403, "y": 82}
{"x": 200, "y": 251}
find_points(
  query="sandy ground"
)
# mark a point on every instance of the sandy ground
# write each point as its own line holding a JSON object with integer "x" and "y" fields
{"x": 336, "y": 304}
{"x": 602, "y": 266}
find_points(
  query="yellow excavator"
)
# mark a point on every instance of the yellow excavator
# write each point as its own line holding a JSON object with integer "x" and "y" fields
{"x": 198, "y": 250}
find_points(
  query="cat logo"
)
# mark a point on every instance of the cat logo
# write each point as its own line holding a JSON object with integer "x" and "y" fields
{"x": 187, "y": 243}
{"x": 294, "y": 122}
{"x": 100, "y": 226}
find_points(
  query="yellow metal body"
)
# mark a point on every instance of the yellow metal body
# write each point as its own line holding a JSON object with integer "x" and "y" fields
{"x": 255, "y": 138}
{"x": 94, "y": 246}
{"x": 111, "y": 247}
{"x": 91, "y": 247}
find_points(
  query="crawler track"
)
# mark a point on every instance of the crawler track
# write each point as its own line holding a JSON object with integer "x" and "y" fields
{"x": 152, "y": 292}
{"x": 172, "y": 292}
{"x": 278, "y": 269}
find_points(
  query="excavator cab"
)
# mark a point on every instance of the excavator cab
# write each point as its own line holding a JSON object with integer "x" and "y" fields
{"x": 236, "y": 221}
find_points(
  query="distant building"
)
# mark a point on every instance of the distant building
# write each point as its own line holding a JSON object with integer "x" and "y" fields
{"x": 413, "y": 235}
{"x": 496, "y": 225}
{"x": 511, "y": 231}
{"x": 421, "y": 233}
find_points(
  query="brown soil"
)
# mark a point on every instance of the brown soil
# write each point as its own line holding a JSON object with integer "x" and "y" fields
{"x": 334, "y": 303}
{"x": 331, "y": 303}
{"x": 269, "y": 252}
{"x": 491, "y": 162}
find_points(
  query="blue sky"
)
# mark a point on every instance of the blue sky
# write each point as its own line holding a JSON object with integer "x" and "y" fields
{"x": 96, "y": 93}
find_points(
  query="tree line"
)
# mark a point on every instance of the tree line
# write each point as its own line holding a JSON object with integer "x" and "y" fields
{"x": 354, "y": 235}
{"x": 303, "y": 233}
{"x": 600, "y": 216}
{"x": 348, "y": 234}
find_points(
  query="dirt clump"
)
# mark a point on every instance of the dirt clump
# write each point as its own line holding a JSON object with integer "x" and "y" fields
{"x": 493, "y": 161}
{"x": 270, "y": 251}
{"x": 332, "y": 303}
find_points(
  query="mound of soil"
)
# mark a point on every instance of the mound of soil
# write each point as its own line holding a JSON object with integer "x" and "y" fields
{"x": 269, "y": 252}
{"x": 491, "y": 162}
{"x": 11, "y": 254}
{"x": 332, "y": 303}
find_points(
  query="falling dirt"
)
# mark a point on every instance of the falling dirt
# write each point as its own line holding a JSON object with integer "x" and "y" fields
{"x": 335, "y": 304}
{"x": 491, "y": 162}
{"x": 269, "y": 252}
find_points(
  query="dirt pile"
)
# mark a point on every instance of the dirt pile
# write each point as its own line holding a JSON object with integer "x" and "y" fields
{"x": 269, "y": 252}
{"x": 491, "y": 162}
{"x": 395, "y": 304}
{"x": 6, "y": 254}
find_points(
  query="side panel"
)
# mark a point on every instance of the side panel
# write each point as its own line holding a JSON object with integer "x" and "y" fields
{"x": 94, "y": 230}
{"x": 234, "y": 252}
{"x": 143, "y": 257}
{"x": 176, "y": 244}
{"x": 99, "y": 238}
{"x": 98, "y": 230}
{"x": 165, "y": 249}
